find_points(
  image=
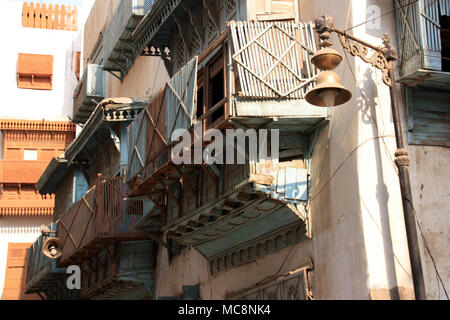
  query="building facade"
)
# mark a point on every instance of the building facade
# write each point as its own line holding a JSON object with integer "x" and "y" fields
{"x": 319, "y": 216}
{"x": 39, "y": 73}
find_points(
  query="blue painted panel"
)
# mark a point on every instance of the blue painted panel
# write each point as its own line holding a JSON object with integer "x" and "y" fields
{"x": 80, "y": 185}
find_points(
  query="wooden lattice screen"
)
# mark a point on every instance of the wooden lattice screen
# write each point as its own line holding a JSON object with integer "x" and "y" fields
{"x": 49, "y": 16}
{"x": 274, "y": 58}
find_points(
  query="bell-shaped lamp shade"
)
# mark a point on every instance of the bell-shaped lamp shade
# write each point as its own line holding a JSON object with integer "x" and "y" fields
{"x": 329, "y": 91}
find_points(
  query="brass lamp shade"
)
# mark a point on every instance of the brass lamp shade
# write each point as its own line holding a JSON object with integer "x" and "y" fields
{"x": 329, "y": 92}
{"x": 52, "y": 248}
{"x": 326, "y": 59}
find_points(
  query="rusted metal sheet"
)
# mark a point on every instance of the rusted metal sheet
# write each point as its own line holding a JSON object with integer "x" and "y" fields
{"x": 101, "y": 214}
{"x": 274, "y": 58}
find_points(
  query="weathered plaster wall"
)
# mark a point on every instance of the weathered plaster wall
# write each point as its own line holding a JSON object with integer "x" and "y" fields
{"x": 429, "y": 174}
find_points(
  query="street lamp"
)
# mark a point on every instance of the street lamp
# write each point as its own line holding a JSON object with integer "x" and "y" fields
{"x": 329, "y": 92}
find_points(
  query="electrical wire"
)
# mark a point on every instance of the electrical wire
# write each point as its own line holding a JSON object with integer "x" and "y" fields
{"x": 384, "y": 14}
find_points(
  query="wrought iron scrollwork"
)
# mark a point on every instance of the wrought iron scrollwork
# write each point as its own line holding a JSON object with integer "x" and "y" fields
{"x": 376, "y": 59}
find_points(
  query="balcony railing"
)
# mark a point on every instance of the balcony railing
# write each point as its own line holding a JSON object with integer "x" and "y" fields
{"x": 88, "y": 93}
{"x": 101, "y": 216}
{"x": 423, "y": 42}
{"x": 119, "y": 51}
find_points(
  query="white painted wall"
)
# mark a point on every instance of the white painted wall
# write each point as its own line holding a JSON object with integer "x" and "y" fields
{"x": 55, "y": 104}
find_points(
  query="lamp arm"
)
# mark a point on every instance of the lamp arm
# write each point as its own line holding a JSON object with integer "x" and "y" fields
{"x": 360, "y": 49}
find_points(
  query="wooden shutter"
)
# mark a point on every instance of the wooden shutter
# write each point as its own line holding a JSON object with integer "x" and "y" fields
{"x": 77, "y": 58}
{"x": 274, "y": 59}
{"x": 180, "y": 98}
{"x": 16, "y": 273}
{"x": 35, "y": 71}
{"x": 136, "y": 143}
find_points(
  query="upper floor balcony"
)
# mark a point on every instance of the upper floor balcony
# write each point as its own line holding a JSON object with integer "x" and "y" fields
{"x": 88, "y": 93}
{"x": 101, "y": 216}
{"x": 119, "y": 50}
{"x": 423, "y": 29}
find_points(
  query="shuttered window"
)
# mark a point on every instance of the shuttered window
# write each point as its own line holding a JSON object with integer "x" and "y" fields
{"x": 16, "y": 273}
{"x": 428, "y": 116}
{"x": 35, "y": 71}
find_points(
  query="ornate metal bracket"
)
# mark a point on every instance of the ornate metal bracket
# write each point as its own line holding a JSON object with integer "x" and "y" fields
{"x": 377, "y": 59}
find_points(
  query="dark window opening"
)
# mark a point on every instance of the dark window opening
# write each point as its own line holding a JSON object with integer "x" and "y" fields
{"x": 200, "y": 103}
{"x": 445, "y": 40}
{"x": 217, "y": 94}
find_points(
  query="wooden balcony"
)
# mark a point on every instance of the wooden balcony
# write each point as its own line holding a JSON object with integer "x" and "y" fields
{"x": 102, "y": 216}
{"x": 423, "y": 30}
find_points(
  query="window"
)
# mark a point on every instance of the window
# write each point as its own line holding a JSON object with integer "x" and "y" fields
{"x": 76, "y": 69}
{"x": 30, "y": 154}
{"x": 211, "y": 89}
{"x": 35, "y": 71}
{"x": 16, "y": 272}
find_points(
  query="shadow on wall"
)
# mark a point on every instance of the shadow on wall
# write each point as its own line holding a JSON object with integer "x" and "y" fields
{"x": 367, "y": 105}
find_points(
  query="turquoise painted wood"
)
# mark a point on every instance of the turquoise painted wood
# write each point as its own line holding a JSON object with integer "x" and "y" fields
{"x": 428, "y": 114}
{"x": 80, "y": 185}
